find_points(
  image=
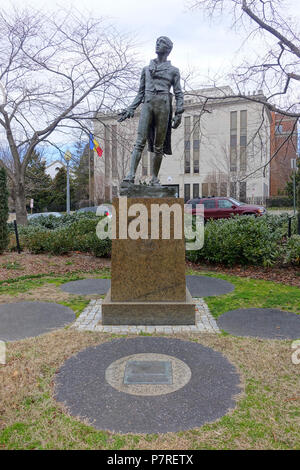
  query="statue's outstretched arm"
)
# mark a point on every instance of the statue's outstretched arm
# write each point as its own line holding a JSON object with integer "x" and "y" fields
{"x": 129, "y": 112}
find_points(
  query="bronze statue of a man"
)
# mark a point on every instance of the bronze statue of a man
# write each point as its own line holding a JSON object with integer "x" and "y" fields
{"x": 156, "y": 118}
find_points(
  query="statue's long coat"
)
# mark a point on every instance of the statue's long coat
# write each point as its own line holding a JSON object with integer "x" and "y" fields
{"x": 158, "y": 79}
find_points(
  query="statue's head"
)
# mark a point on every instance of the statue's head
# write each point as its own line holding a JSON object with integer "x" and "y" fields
{"x": 164, "y": 45}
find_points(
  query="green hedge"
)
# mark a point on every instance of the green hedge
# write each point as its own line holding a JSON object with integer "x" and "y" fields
{"x": 62, "y": 241}
{"x": 239, "y": 240}
{"x": 279, "y": 201}
{"x": 63, "y": 235}
{"x": 292, "y": 255}
{"x": 67, "y": 220}
{"x": 244, "y": 240}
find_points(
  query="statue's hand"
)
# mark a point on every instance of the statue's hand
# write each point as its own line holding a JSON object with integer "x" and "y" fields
{"x": 125, "y": 114}
{"x": 176, "y": 121}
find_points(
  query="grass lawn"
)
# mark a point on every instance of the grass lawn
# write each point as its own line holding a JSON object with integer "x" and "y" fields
{"x": 253, "y": 293}
{"x": 46, "y": 288}
{"x": 20, "y": 284}
{"x": 266, "y": 415}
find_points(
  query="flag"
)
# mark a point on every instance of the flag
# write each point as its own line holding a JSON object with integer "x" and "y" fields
{"x": 95, "y": 146}
{"x": 91, "y": 142}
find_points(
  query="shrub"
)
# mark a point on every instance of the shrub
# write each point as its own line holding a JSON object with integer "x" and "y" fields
{"x": 241, "y": 240}
{"x": 51, "y": 222}
{"x": 56, "y": 242}
{"x": 99, "y": 248}
{"x": 60, "y": 242}
{"x": 279, "y": 201}
{"x": 84, "y": 225}
{"x": 293, "y": 250}
{"x": 3, "y": 211}
{"x": 65, "y": 234}
{"x": 280, "y": 222}
{"x": 36, "y": 241}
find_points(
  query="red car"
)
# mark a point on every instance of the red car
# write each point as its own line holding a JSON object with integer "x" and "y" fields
{"x": 224, "y": 207}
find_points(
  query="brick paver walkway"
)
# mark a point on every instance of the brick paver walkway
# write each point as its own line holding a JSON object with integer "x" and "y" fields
{"x": 90, "y": 320}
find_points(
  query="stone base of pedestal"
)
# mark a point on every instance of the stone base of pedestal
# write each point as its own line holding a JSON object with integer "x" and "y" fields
{"x": 148, "y": 312}
{"x": 148, "y": 285}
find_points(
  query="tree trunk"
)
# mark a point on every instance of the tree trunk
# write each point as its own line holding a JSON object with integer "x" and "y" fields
{"x": 20, "y": 203}
{"x": 298, "y": 208}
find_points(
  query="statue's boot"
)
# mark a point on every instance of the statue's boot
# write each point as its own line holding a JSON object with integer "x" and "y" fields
{"x": 156, "y": 167}
{"x": 135, "y": 159}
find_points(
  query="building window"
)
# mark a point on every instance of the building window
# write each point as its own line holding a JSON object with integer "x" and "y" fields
{"x": 187, "y": 144}
{"x": 204, "y": 189}
{"x": 233, "y": 189}
{"x": 107, "y": 193}
{"x": 243, "y": 191}
{"x": 196, "y": 143}
{"x": 114, "y": 163}
{"x": 233, "y": 141}
{"x": 214, "y": 189}
{"x": 243, "y": 140}
{"x": 195, "y": 190}
{"x": 243, "y": 158}
{"x": 278, "y": 129}
{"x": 223, "y": 189}
{"x": 115, "y": 191}
{"x": 107, "y": 148}
{"x": 187, "y": 192}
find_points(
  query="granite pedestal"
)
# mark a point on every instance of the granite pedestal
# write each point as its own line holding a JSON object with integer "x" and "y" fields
{"x": 148, "y": 285}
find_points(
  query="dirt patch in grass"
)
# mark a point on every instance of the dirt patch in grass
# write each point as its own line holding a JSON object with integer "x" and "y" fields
{"x": 48, "y": 292}
{"x": 289, "y": 275}
{"x": 14, "y": 265}
{"x": 266, "y": 416}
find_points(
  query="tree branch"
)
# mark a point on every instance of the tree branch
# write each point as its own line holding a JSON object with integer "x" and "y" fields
{"x": 293, "y": 48}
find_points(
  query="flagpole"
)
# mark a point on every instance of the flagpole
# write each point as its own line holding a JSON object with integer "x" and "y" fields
{"x": 68, "y": 157}
{"x": 89, "y": 176}
{"x": 93, "y": 145}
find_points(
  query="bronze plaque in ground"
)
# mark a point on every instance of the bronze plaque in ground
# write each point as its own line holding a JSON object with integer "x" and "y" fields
{"x": 148, "y": 372}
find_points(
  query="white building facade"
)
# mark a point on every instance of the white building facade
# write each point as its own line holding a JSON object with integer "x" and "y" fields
{"x": 220, "y": 149}
{"x": 53, "y": 168}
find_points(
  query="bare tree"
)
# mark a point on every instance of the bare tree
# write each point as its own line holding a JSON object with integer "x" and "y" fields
{"x": 116, "y": 140}
{"x": 226, "y": 174}
{"x": 276, "y": 67}
{"x": 56, "y": 72}
{"x": 274, "y": 71}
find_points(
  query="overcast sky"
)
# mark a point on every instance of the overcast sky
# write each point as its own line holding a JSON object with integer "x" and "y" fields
{"x": 206, "y": 48}
{"x": 209, "y": 49}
